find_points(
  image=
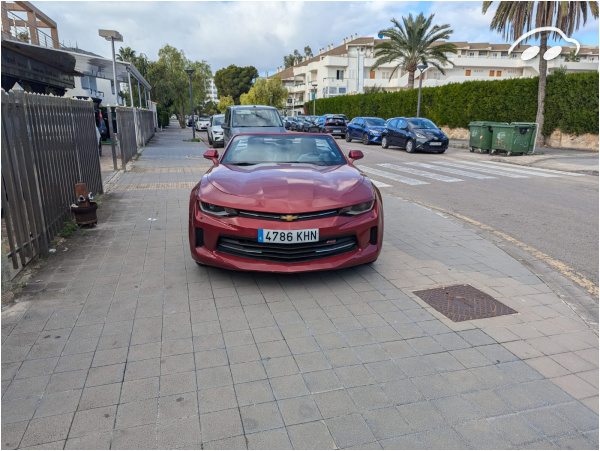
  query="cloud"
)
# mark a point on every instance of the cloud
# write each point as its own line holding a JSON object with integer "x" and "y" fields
{"x": 254, "y": 33}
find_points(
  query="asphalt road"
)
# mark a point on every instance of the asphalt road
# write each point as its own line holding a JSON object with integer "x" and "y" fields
{"x": 554, "y": 213}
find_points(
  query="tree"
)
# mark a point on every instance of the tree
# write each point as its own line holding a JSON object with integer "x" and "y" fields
{"x": 513, "y": 19}
{"x": 170, "y": 83}
{"x": 140, "y": 62}
{"x": 224, "y": 102}
{"x": 262, "y": 89}
{"x": 572, "y": 57}
{"x": 296, "y": 57}
{"x": 126, "y": 54}
{"x": 411, "y": 43}
{"x": 234, "y": 81}
{"x": 308, "y": 52}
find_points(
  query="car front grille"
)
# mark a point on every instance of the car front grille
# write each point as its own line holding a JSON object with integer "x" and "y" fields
{"x": 286, "y": 217}
{"x": 286, "y": 253}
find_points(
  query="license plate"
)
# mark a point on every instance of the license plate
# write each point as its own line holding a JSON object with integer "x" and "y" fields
{"x": 435, "y": 144}
{"x": 288, "y": 236}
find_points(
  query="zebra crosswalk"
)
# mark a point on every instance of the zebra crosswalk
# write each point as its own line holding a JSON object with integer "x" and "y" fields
{"x": 452, "y": 172}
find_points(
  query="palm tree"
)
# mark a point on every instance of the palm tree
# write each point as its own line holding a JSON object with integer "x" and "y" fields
{"x": 513, "y": 19}
{"x": 412, "y": 43}
{"x": 126, "y": 54}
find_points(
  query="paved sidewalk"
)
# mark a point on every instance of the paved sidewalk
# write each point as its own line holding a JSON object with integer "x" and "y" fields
{"x": 570, "y": 160}
{"x": 121, "y": 341}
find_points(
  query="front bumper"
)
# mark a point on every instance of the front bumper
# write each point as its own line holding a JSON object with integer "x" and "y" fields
{"x": 425, "y": 145}
{"x": 366, "y": 228}
{"x": 374, "y": 138}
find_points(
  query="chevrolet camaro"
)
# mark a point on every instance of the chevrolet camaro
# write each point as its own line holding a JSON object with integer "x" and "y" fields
{"x": 284, "y": 203}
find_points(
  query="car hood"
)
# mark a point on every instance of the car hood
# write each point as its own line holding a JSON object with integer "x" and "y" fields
{"x": 376, "y": 128}
{"x": 217, "y": 128}
{"x": 235, "y": 130}
{"x": 285, "y": 187}
{"x": 430, "y": 133}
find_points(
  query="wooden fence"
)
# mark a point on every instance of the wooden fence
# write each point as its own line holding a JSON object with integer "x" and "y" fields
{"x": 48, "y": 145}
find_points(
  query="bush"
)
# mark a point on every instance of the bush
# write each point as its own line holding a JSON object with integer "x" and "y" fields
{"x": 571, "y": 103}
{"x": 163, "y": 116}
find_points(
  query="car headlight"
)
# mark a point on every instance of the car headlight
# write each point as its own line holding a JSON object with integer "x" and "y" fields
{"x": 376, "y": 132}
{"x": 357, "y": 209}
{"x": 217, "y": 210}
{"x": 420, "y": 135}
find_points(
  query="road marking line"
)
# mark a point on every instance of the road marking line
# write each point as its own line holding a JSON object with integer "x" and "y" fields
{"x": 379, "y": 184}
{"x": 552, "y": 171}
{"x": 430, "y": 175}
{"x": 389, "y": 175}
{"x": 451, "y": 171}
{"x": 505, "y": 168}
{"x": 565, "y": 270}
{"x": 486, "y": 171}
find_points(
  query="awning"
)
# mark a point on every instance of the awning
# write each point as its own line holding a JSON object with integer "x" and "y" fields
{"x": 78, "y": 64}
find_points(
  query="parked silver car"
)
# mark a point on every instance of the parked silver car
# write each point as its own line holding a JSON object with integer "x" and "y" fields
{"x": 214, "y": 130}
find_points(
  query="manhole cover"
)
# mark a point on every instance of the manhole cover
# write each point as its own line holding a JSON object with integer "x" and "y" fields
{"x": 463, "y": 303}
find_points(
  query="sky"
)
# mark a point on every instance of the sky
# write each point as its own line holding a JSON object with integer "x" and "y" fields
{"x": 257, "y": 33}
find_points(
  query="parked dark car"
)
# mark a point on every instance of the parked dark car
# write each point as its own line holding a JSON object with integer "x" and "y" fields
{"x": 287, "y": 122}
{"x": 342, "y": 115}
{"x": 296, "y": 123}
{"x": 367, "y": 129}
{"x": 333, "y": 125}
{"x": 414, "y": 133}
{"x": 307, "y": 123}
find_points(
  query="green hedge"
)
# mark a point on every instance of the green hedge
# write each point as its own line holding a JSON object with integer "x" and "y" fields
{"x": 571, "y": 103}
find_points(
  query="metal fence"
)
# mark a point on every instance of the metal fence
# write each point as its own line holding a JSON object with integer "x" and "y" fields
{"x": 135, "y": 127}
{"x": 145, "y": 126}
{"x": 48, "y": 145}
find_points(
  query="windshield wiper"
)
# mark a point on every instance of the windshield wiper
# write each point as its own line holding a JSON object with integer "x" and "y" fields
{"x": 244, "y": 163}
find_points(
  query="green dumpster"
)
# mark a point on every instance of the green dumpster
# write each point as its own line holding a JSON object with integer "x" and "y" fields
{"x": 515, "y": 138}
{"x": 481, "y": 135}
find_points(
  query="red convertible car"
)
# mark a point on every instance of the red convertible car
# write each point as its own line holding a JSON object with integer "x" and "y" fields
{"x": 284, "y": 203}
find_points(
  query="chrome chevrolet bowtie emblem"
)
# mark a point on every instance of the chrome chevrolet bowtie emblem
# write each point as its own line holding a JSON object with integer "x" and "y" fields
{"x": 289, "y": 218}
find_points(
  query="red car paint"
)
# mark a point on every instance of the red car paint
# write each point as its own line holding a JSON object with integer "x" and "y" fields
{"x": 285, "y": 189}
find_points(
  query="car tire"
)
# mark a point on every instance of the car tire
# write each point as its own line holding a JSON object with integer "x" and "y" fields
{"x": 441, "y": 151}
{"x": 384, "y": 142}
{"x": 348, "y": 138}
{"x": 410, "y": 146}
{"x": 365, "y": 139}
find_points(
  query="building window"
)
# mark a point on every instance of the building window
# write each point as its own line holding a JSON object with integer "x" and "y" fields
{"x": 351, "y": 73}
{"x": 332, "y": 90}
{"x": 491, "y": 73}
{"x": 85, "y": 82}
{"x": 471, "y": 54}
{"x": 513, "y": 55}
{"x": 385, "y": 75}
{"x": 468, "y": 72}
{"x": 341, "y": 90}
{"x": 495, "y": 55}
{"x": 339, "y": 75}
{"x": 498, "y": 73}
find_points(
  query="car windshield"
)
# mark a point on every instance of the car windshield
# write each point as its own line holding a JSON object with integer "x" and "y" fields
{"x": 421, "y": 123}
{"x": 218, "y": 120}
{"x": 248, "y": 150}
{"x": 256, "y": 117}
{"x": 375, "y": 122}
{"x": 204, "y": 118}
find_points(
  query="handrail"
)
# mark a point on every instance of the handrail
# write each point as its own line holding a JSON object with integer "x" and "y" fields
{"x": 20, "y": 29}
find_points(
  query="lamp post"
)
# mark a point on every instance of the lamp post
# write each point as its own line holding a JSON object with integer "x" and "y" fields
{"x": 421, "y": 67}
{"x": 271, "y": 99}
{"x": 190, "y": 72}
{"x": 112, "y": 36}
{"x": 314, "y": 85}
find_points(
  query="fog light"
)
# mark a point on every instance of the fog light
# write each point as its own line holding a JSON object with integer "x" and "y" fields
{"x": 373, "y": 237}
{"x": 199, "y": 237}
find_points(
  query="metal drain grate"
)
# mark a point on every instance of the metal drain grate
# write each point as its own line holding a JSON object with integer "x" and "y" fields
{"x": 463, "y": 303}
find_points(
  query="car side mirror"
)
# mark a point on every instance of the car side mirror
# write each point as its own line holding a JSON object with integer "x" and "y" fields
{"x": 212, "y": 154}
{"x": 355, "y": 155}
{"x": 225, "y": 126}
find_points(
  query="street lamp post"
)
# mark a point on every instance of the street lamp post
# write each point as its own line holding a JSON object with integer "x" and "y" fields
{"x": 190, "y": 72}
{"x": 271, "y": 99}
{"x": 112, "y": 36}
{"x": 421, "y": 67}
{"x": 314, "y": 85}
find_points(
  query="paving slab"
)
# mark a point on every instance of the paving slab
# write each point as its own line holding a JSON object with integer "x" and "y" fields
{"x": 152, "y": 351}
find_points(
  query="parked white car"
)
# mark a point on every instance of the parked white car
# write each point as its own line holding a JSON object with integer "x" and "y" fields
{"x": 214, "y": 130}
{"x": 202, "y": 122}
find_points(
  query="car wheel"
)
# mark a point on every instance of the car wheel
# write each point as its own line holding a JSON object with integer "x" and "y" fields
{"x": 441, "y": 151}
{"x": 410, "y": 146}
{"x": 365, "y": 139}
{"x": 384, "y": 142}
{"x": 348, "y": 138}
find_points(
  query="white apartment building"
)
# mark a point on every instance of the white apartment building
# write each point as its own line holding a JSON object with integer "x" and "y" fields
{"x": 211, "y": 94}
{"x": 347, "y": 69}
